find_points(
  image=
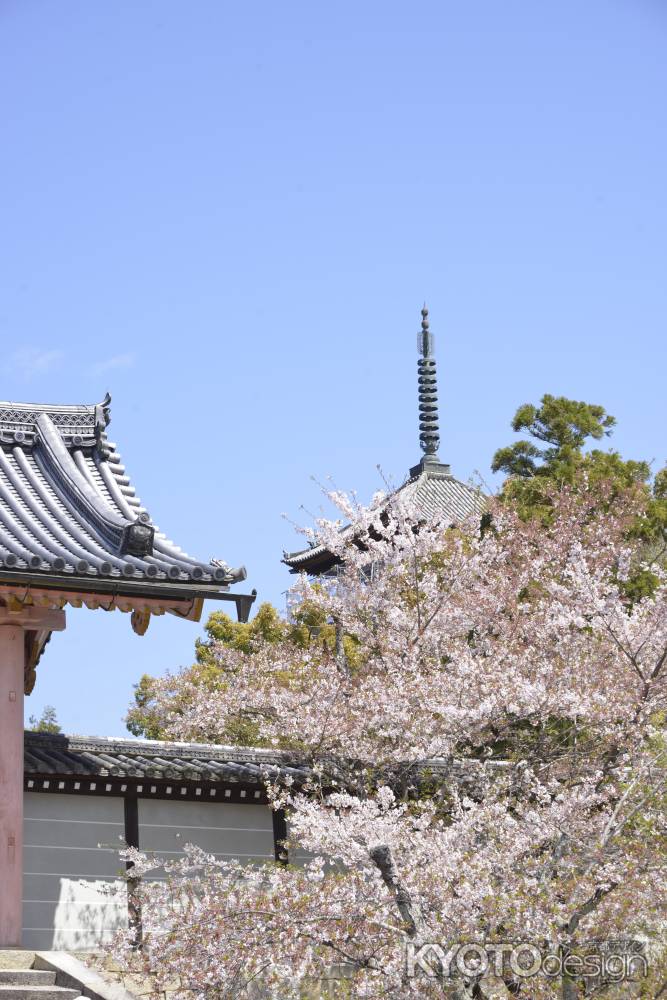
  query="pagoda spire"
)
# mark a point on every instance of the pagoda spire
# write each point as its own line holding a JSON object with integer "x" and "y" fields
{"x": 429, "y": 437}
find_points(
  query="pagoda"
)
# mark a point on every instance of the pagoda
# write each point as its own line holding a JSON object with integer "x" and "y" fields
{"x": 430, "y": 483}
{"x": 73, "y": 532}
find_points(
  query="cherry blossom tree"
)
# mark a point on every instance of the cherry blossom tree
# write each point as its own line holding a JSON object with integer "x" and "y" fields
{"x": 484, "y": 745}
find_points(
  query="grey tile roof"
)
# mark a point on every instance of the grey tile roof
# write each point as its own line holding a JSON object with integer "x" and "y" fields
{"x": 68, "y": 509}
{"x": 92, "y": 756}
{"x": 435, "y": 491}
{"x": 68, "y": 759}
{"x": 443, "y": 494}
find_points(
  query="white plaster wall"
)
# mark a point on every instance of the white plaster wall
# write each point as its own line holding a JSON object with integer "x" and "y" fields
{"x": 73, "y": 894}
{"x": 226, "y": 829}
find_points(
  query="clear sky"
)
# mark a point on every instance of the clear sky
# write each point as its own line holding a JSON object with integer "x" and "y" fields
{"x": 229, "y": 215}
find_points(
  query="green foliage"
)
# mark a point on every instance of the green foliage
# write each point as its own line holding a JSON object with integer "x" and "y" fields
{"x": 307, "y": 626}
{"x": 140, "y": 719}
{"x": 642, "y": 583}
{"x": 561, "y": 429}
{"x": 47, "y": 722}
{"x": 652, "y": 527}
{"x": 562, "y": 424}
{"x": 266, "y": 626}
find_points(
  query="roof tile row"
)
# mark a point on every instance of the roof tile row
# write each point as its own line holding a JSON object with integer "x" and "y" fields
{"x": 68, "y": 508}
{"x": 56, "y": 754}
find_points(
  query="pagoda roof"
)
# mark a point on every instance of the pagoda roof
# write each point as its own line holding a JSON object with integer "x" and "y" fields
{"x": 430, "y": 484}
{"x": 434, "y": 491}
{"x": 70, "y": 516}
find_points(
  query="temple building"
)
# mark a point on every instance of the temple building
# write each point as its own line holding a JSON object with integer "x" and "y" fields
{"x": 86, "y": 797}
{"x": 72, "y": 532}
{"x": 430, "y": 482}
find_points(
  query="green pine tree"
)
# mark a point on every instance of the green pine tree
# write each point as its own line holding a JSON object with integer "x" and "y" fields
{"x": 47, "y": 722}
{"x": 558, "y": 451}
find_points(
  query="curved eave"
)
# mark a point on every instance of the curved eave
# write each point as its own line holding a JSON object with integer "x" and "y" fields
{"x": 315, "y": 561}
{"x": 67, "y": 506}
{"x": 435, "y": 492}
{"x": 167, "y": 590}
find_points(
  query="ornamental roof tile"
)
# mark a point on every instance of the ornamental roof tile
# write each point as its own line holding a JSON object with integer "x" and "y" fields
{"x": 68, "y": 509}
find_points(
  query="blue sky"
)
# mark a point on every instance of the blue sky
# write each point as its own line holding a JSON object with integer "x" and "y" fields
{"x": 229, "y": 215}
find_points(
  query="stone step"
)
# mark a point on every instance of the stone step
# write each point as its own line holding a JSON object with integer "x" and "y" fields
{"x": 37, "y": 993}
{"x": 14, "y": 958}
{"x": 27, "y": 977}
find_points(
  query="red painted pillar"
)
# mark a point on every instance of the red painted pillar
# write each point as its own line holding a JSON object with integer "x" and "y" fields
{"x": 12, "y": 662}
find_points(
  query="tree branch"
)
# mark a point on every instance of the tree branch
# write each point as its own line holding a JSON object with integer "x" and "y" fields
{"x": 382, "y": 858}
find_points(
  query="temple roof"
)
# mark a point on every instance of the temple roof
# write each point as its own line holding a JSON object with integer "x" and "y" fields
{"x": 56, "y": 755}
{"x": 69, "y": 513}
{"x": 435, "y": 491}
{"x": 48, "y": 754}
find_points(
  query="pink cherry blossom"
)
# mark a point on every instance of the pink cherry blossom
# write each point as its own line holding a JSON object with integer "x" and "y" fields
{"x": 486, "y": 752}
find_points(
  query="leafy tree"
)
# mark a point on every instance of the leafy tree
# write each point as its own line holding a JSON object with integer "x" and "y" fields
{"x": 306, "y": 626}
{"x": 488, "y": 764}
{"x": 558, "y": 453}
{"x": 47, "y": 722}
{"x": 562, "y": 428}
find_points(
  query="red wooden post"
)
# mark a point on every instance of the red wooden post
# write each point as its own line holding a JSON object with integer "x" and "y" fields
{"x": 12, "y": 659}
{"x": 12, "y": 671}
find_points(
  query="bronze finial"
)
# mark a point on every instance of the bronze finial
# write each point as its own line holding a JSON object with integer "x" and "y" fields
{"x": 429, "y": 437}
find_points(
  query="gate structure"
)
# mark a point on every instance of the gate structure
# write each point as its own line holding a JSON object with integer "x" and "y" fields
{"x": 73, "y": 531}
